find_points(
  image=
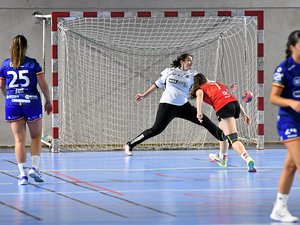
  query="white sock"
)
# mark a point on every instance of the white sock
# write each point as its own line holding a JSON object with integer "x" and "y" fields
{"x": 223, "y": 149}
{"x": 22, "y": 169}
{"x": 222, "y": 155}
{"x": 244, "y": 155}
{"x": 35, "y": 161}
{"x": 281, "y": 199}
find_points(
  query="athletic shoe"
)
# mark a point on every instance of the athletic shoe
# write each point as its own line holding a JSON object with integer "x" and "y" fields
{"x": 23, "y": 180}
{"x": 216, "y": 158}
{"x": 35, "y": 174}
{"x": 128, "y": 149}
{"x": 282, "y": 214}
{"x": 250, "y": 164}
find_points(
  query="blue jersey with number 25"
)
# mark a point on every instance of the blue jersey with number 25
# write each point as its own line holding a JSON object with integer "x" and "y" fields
{"x": 21, "y": 83}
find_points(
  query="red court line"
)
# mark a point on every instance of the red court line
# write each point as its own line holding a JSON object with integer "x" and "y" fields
{"x": 75, "y": 180}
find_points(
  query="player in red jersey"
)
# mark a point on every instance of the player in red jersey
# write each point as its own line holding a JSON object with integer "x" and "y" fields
{"x": 227, "y": 110}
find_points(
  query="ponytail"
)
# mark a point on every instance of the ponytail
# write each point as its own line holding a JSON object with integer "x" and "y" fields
{"x": 199, "y": 80}
{"x": 18, "y": 50}
{"x": 176, "y": 62}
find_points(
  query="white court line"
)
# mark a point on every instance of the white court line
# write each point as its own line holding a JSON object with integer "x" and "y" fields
{"x": 154, "y": 169}
{"x": 151, "y": 190}
{"x": 6, "y": 183}
{"x": 124, "y": 181}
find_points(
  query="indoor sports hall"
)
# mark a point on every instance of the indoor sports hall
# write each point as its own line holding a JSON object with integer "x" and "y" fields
{"x": 101, "y": 60}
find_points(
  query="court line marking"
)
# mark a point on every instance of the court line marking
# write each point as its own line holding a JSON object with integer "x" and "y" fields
{"x": 107, "y": 194}
{"x": 21, "y": 211}
{"x": 231, "y": 167}
{"x": 150, "y": 169}
{"x": 75, "y": 180}
{"x": 203, "y": 160}
{"x": 156, "y": 190}
{"x": 178, "y": 178}
{"x": 116, "y": 197}
{"x": 71, "y": 198}
{"x": 197, "y": 178}
{"x": 172, "y": 176}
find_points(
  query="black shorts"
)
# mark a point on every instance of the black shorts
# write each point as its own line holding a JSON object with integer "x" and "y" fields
{"x": 232, "y": 109}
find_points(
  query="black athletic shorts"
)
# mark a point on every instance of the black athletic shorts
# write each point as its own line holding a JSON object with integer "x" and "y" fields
{"x": 232, "y": 109}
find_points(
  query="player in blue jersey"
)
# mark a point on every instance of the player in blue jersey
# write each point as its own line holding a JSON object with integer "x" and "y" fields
{"x": 286, "y": 94}
{"x": 19, "y": 76}
{"x": 177, "y": 82}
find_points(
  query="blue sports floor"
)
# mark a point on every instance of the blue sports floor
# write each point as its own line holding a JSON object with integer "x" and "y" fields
{"x": 151, "y": 187}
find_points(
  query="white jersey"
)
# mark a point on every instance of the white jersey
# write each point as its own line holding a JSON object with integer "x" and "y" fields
{"x": 177, "y": 84}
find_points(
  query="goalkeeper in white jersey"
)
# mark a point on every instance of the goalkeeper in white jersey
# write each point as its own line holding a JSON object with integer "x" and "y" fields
{"x": 177, "y": 82}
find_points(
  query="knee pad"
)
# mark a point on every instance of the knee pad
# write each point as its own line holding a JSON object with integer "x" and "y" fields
{"x": 221, "y": 136}
{"x": 232, "y": 138}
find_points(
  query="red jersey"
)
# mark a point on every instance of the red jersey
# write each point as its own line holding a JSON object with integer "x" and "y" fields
{"x": 216, "y": 95}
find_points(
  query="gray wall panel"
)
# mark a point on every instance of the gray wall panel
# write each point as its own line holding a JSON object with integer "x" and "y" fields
{"x": 146, "y": 4}
{"x": 281, "y": 17}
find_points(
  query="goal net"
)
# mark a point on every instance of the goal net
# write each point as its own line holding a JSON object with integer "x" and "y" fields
{"x": 103, "y": 62}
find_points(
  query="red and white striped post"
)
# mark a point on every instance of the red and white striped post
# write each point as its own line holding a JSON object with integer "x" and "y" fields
{"x": 260, "y": 76}
{"x": 54, "y": 69}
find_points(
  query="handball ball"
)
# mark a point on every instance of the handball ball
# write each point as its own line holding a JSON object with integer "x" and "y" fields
{"x": 247, "y": 96}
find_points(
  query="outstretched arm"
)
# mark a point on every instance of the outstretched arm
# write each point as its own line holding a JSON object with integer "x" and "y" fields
{"x": 232, "y": 87}
{"x": 199, "y": 101}
{"x": 140, "y": 97}
{"x": 245, "y": 116}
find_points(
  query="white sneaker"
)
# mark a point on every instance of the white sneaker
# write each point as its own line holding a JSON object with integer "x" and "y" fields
{"x": 282, "y": 214}
{"x": 216, "y": 158}
{"x": 128, "y": 149}
{"x": 35, "y": 174}
{"x": 23, "y": 180}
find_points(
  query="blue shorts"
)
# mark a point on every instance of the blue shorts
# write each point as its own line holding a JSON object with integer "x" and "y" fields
{"x": 29, "y": 112}
{"x": 288, "y": 128}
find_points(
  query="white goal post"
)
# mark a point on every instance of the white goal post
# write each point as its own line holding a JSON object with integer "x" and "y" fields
{"x": 100, "y": 60}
